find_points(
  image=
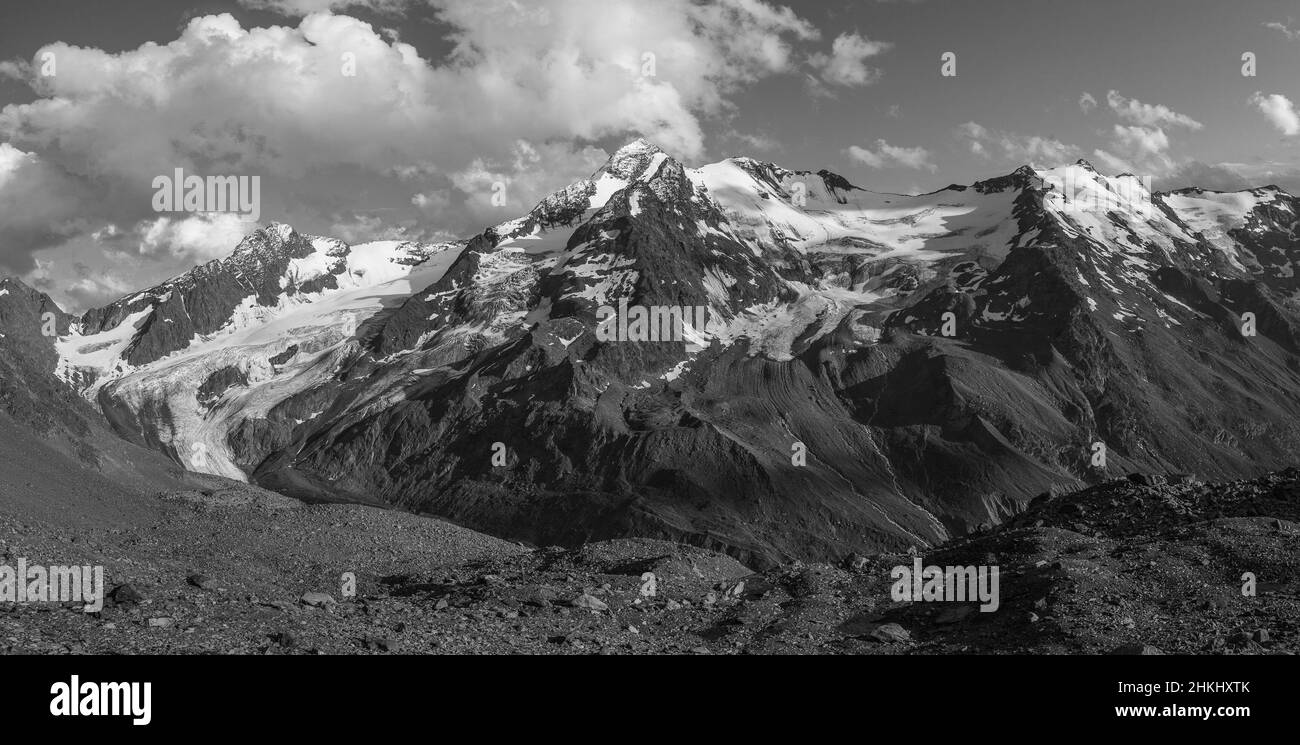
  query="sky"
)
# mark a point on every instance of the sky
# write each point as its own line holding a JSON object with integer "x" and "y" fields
{"x": 383, "y": 119}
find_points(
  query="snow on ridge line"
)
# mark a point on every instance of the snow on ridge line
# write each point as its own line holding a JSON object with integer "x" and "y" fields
{"x": 369, "y": 276}
{"x": 321, "y": 329}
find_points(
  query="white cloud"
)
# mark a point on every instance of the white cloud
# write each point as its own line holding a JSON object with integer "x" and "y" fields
{"x": 307, "y": 7}
{"x": 1150, "y": 115}
{"x": 525, "y": 178}
{"x": 1087, "y": 102}
{"x": 1032, "y": 149}
{"x": 433, "y": 202}
{"x": 1145, "y": 141}
{"x": 1139, "y": 150}
{"x": 194, "y": 238}
{"x": 39, "y": 205}
{"x": 847, "y": 63}
{"x": 756, "y": 141}
{"x": 1280, "y": 111}
{"x": 220, "y": 99}
{"x": 1141, "y": 145}
{"x": 1113, "y": 163}
{"x": 1286, "y": 30}
{"x": 886, "y": 155}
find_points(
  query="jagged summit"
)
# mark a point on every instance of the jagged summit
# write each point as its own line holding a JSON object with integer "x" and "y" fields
{"x": 274, "y": 237}
{"x": 631, "y": 161}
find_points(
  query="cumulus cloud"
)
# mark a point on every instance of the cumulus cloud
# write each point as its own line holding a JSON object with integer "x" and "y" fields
{"x": 1144, "y": 141}
{"x": 886, "y": 155}
{"x": 1087, "y": 102}
{"x": 307, "y": 7}
{"x": 193, "y": 238}
{"x": 1137, "y": 149}
{"x": 847, "y": 62}
{"x": 40, "y": 206}
{"x": 1279, "y": 110}
{"x": 1141, "y": 144}
{"x": 1031, "y": 149}
{"x": 523, "y": 93}
{"x": 1150, "y": 115}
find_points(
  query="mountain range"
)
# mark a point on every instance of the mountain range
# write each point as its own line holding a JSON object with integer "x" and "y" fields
{"x": 850, "y": 371}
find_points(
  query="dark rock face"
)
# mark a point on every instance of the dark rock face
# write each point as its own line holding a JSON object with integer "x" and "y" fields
{"x": 29, "y": 392}
{"x": 219, "y": 382}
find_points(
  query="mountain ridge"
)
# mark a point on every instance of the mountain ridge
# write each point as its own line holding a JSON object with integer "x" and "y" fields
{"x": 1071, "y": 326}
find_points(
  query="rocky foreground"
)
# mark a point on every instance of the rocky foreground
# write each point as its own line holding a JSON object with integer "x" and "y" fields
{"x": 1131, "y": 566}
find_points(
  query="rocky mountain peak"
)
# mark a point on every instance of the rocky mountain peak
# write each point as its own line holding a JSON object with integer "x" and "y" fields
{"x": 631, "y": 161}
{"x": 272, "y": 239}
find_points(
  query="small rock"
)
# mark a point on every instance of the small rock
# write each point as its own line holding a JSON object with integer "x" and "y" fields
{"x": 160, "y": 623}
{"x": 672, "y": 605}
{"x": 888, "y": 633}
{"x": 589, "y": 602}
{"x": 1260, "y": 636}
{"x": 201, "y": 581}
{"x": 125, "y": 595}
{"x": 855, "y": 562}
{"x": 318, "y": 599}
